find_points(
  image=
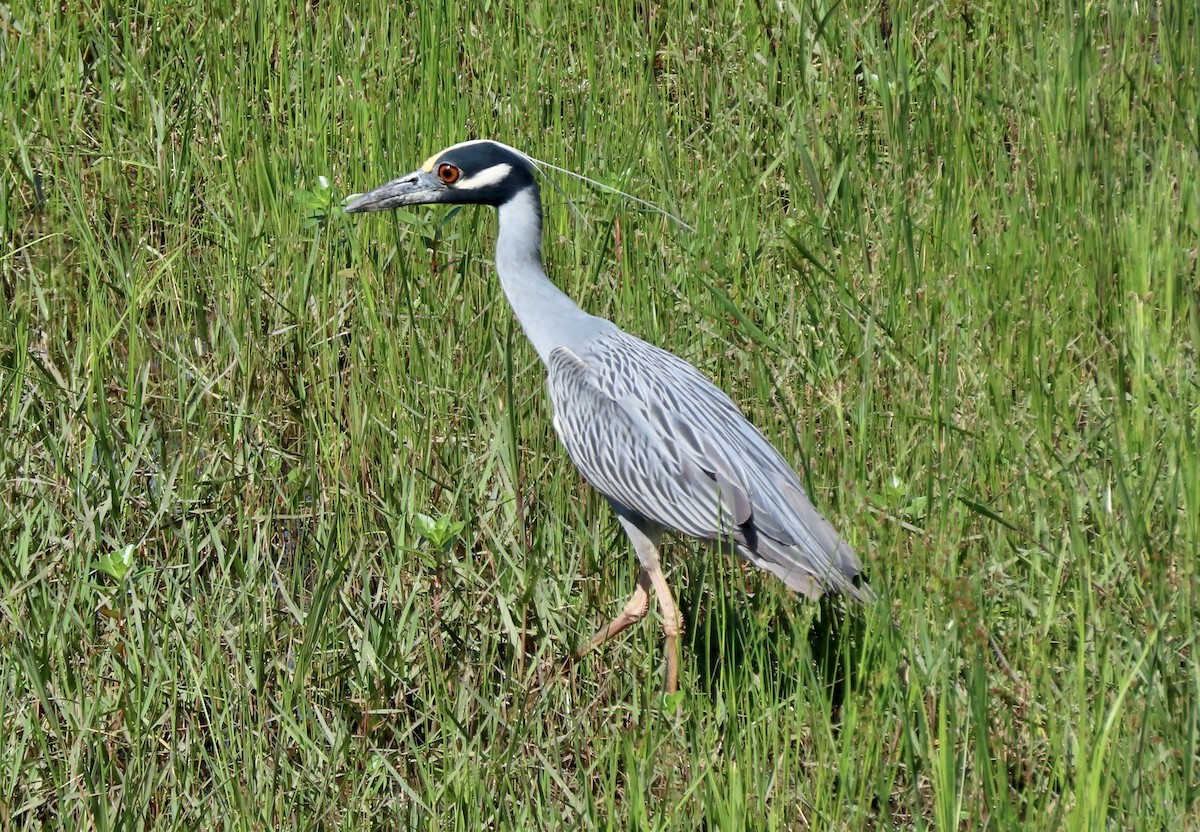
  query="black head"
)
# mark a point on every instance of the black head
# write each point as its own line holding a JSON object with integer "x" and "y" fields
{"x": 480, "y": 172}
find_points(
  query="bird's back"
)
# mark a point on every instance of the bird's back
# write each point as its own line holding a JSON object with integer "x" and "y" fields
{"x": 652, "y": 434}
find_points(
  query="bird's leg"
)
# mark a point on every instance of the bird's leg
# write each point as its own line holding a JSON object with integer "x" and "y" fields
{"x": 671, "y": 624}
{"x": 645, "y": 537}
{"x": 635, "y": 610}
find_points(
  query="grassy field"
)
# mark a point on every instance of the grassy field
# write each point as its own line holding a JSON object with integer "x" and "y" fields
{"x": 946, "y": 258}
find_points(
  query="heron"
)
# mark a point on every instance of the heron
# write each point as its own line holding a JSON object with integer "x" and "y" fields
{"x": 664, "y": 445}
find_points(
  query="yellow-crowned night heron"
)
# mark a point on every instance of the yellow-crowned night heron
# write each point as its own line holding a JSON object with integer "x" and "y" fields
{"x": 646, "y": 429}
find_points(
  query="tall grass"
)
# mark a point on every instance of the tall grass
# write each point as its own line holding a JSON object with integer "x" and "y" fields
{"x": 946, "y": 257}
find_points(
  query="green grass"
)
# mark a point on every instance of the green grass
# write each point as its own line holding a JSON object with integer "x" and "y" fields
{"x": 951, "y": 270}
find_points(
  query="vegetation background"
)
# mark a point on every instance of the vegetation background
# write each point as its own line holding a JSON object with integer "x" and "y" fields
{"x": 286, "y": 539}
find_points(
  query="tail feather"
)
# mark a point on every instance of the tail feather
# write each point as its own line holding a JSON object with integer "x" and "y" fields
{"x": 794, "y": 542}
{"x": 794, "y": 567}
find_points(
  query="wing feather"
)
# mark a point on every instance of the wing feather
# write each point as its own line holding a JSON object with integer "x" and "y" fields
{"x": 652, "y": 434}
{"x": 625, "y": 457}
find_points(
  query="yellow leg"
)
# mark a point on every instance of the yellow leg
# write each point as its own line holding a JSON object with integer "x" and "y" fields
{"x": 635, "y": 610}
{"x": 671, "y": 625}
{"x": 645, "y": 543}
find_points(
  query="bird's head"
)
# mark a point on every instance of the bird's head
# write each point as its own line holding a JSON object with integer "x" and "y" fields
{"x": 480, "y": 172}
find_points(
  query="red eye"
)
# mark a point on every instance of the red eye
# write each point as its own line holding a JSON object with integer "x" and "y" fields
{"x": 448, "y": 173}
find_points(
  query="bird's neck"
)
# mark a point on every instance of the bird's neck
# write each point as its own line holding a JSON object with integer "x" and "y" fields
{"x": 550, "y": 318}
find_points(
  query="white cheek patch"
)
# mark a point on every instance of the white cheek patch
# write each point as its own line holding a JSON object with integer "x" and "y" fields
{"x": 487, "y": 176}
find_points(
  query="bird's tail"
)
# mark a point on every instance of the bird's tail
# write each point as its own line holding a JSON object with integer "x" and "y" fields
{"x": 842, "y": 571}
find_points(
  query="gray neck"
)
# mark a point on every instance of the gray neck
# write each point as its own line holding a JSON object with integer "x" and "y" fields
{"x": 550, "y": 318}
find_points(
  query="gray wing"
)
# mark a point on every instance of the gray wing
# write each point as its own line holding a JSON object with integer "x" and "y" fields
{"x": 651, "y": 433}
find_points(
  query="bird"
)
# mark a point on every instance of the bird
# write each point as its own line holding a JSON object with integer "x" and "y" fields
{"x": 665, "y": 446}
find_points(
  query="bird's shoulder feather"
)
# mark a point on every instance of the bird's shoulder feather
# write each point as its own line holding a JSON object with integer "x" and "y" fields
{"x": 652, "y": 433}
{"x": 632, "y": 444}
